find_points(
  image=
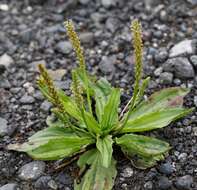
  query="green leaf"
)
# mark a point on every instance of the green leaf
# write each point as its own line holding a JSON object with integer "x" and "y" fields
{"x": 166, "y": 98}
{"x": 53, "y": 143}
{"x": 98, "y": 177}
{"x": 102, "y": 90}
{"x": 110, "y": 114}
{"x": 87, "y": 157}
{"x": 104, "y": 145}
{"x": 91, "y": 124}
{"x": 145, "y": 162}
{"x": 154, "y": 120}
{"x": 143, "y": 151}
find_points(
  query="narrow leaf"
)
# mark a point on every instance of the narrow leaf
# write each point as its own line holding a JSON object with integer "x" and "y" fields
{"x": 98, "y": 177}
{"x": 104, "y": 145}
{"x": 154, "y": 120}
{"x": 144, "y": 152}
{"x": 110, "y": 114}
{"x": 53, "y": 143}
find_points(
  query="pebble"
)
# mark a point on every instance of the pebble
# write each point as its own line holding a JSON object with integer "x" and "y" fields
{"x": 184, "y": 182}
{"x": 4, "y": 128}
{"x": 10, "y": 186}
{"x": 195, "y": 101}
{"x": 180, "y": 66}
{"x": 87, "y": 37}
{"x": 166, "y": 168}
{"x": 4, "y": 7}
{"x": 57, "y": 74}
{"x": 6, "y": 60}
{"x": 27, "y": 35}
{"x": 148, "y": 185}
{"x": 45, "y": 106}
{"x": 26, "y": 99}
{"x": 64, "y": 47}
{"x": 182, "y": 157}
{"x": 158, "y": 71}
{"x": 193, "y": 60}
{"x": 185, "y": 47}
{"x": 32, "y": 170}
{"x": 161, "y": 57}
{"x": 127, "y": 172}
{"x": 107, "y": 64}
{"x": 107, "y": 3}
{"x": 164, "y": 183}
{"x": 42, "y": 182}
{"x": 195, "y": 131}
{"x": 166, "y": 78}
{"x": 52, "y": 184}
{"x": 84, "y": 2}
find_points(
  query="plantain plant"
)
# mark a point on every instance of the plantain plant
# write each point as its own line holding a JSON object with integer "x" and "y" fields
{"x": 89, "y": 123}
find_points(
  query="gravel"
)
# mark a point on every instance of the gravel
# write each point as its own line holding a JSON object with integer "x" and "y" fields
{"x": 185, "y": 47}
{"x": 184, "y": 182}
{"x": 64, "y": 47}
{"x": 164, "y": 183}
{"x": 181, "y": 67}
{"x": 166, "y": 168}
{"x": 32, "y": 170}
{"x": 6, "y": 60}
{"x": 10, "y": 186}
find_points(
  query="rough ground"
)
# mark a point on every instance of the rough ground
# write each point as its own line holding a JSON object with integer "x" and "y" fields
{"x": 32, "y": 32}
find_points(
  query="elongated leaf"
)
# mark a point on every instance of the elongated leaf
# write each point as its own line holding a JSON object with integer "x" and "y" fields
{"x": 105, "y": 148}
{"x": 110, "y": 114}
{"x": 53, "y": 143}
{"x": 166, "y": 98}
{"x": 143, "y": 151}
{"x": 155, "y": 120}
{"x": 91, "y": 124}
{"x": 88, "y": 158}
{"x": 142, "y": 145}
{"x": 102, "y": 90}
{"x": 98, "y": 177}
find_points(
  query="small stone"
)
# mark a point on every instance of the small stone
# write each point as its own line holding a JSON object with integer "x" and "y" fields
{"x": 42, "y": 182}
{"x": 184, "y": 182}
{"x": 4, "y": 83}
{"x": 148, "y": 185}
{"x": 65, "y": 85}
{"x": 57, "y": 74}
{"x": 127, "y": 172}
{"x": 26, "y": 99}
{"x": 161, "y": 57}
{"x": 4, "y": 7}
{"x": 193, "y": 60}
{"x": 107, "y": 64}
{"x": 195, "y": 101}
{"x": 64, "y": 47}
{"x": 45, "y": 106}
{"x": 84, "y": 2}
{"x": 166, "y": 168}
{"x": 27, "y": 35}
{"x": 10, "y": 186}
{"x": 195, "y": 131}
{"x": 52, "y": 184}
{"x": 86, "y": 37}
{"x": 166, "y": 78}
{"x": 186, "y": 47}
{"x": 32, "y": 170}
{"x": 6, "y": 60}
{"x": 182, "y": 157}
{"x": 112, "y": 24}
{"x": 4, "y": 128}
{"x": 158, "y": 71}
{"x": 107, "y": 3}
{"x": 164, "y": 183}
{"x": 180, "y": 66}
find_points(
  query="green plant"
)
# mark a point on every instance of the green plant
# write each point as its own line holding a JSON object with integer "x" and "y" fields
{"x": 89, "y": 123}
